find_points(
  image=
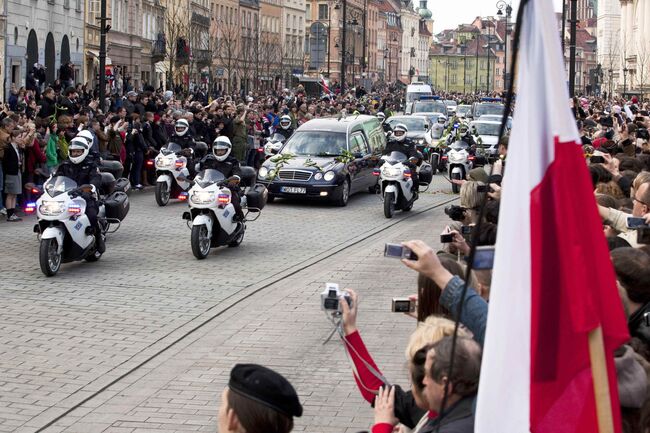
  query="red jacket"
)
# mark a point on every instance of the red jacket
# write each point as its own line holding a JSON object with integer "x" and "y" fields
{"x": 34, "y": 156}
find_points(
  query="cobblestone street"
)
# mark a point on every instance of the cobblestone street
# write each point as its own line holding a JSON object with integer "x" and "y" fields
{"x": 144, "y": 339}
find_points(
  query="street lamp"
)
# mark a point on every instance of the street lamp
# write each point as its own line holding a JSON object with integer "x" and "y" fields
{"x": 387, "y": 56}
{"x": 611, "y": 81}
{"x": 501, "y": 5}
{"x": 625, "y": 71}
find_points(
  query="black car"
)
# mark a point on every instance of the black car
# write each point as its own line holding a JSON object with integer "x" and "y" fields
{"x": 326, "y": 159}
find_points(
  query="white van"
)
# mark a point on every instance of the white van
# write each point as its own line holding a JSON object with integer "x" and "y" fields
{"x": 414, "y": 92}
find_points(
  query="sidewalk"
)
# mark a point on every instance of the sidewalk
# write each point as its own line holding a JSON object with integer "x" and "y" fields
{"x": 281, "y": 327}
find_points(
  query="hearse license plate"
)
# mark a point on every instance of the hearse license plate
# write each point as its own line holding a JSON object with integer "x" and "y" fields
{"x": 293, "y": 190}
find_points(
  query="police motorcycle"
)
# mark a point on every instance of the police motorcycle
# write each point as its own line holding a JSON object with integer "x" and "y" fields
{"x": 212, "y": 214}
{"x": 459, "y": 162}
{"x": 65, "y": 231}
{"x": 438, "y": 145}
{"x": 171, "y": 168}
{"x": 273, "y": 145}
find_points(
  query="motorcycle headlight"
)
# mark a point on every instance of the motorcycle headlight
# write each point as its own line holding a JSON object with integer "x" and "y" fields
{"x": 202, "y": 197}
{"x": 390, "y": 171}
{"x": 263, "y": 172}
{"x": 51, "y": 208}
{"x": 164, "y": 162}
{"x": 329, "y": 176}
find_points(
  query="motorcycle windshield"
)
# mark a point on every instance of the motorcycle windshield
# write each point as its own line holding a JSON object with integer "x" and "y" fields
{"x": 171, "y": 148}
{"x": 394, "y": 157}
{"x": 276, "y": 138}
{"x": 459, "y": 145}
{"x": 207, "y": 177}
{"x": 58, "y": 185}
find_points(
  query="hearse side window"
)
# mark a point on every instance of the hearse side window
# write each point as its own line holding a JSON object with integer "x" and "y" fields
{"x": 358, "y": 144}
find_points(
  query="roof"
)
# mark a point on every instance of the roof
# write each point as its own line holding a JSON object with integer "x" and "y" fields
{"x": 334, "y": 125}
{"x": 424, "y": 30}
{"x": 467, "y": 28}
{"x": 585, "y": 41}
{"x": 385, "y": 6}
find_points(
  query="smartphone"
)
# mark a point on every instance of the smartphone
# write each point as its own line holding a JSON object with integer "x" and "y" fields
{"x": 446, "y": 238}
{"x": 398, "y": 251}
{"x": 482, "y": 188}
{"x": 597, "y": 159}
{"x": 483, "y": 258}
{"x": 403, "y": 305}
{"x": 466, "y": 230}
{"x": 636, "y": 222}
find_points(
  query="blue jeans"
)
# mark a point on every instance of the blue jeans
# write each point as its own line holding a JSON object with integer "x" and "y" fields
{"x": 2, "y": 186}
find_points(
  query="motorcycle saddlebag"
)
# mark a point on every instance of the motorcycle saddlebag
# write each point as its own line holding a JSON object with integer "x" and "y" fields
{"x": 123, "y": 185}
{"x": 117, "y": 205}
{"x": 248, "y": 175}
{"x": 426, "y": 174}
{"x": 113, "y": 167}
{"x": 256, "y": 198}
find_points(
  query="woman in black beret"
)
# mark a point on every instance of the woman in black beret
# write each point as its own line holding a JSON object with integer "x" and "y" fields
{"x": 257, "y": 400}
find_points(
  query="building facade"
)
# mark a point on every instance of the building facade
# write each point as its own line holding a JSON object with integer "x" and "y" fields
{"x": 293, "y": 38}
{"x": 609, "y": 42}
{"x": 49, "y": 32}
{"x": 635, "y": 47}
{"x": 3, "y": 33}
{"x": 270, "y": 44}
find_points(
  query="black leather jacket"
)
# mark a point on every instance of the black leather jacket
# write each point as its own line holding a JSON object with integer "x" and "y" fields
{"x": 85, "y": 173}
{"x": 407, "y": 147}
{"x": 230, "y": 167}
{"x": 639, "y": 325}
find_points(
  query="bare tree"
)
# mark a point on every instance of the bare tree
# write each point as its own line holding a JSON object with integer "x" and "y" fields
{"x": 269, "y": 53}
{"x": 612, "y": 59}
{"x": 176, "y": 29}
{"x": 226, "y": 45}
{"x": 642, "y": 59}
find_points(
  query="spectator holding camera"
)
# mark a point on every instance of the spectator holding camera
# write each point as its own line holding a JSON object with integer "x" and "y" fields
{"x": 452, "y": 398}
{"x": 410, "y": 408}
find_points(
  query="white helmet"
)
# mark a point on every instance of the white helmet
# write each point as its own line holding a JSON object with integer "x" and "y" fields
{"x": 87, "y": 135}
{"x": 442, "y": 119}
{"x": 221, "y": 148}
{"x": 181, "y": 127}
{"x": 78, "y": 144}
{"x": 399, "y": 132}
{"x": 381, "y": 116}
{"x": 285, "y": 122}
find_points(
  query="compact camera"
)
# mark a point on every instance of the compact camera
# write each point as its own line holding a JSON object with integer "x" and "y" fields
{"x": 643, "y": 134}
{"x": 403, "y": 305}
{"x": 330, "y": 298}
{"x": 399, "y": 252}
{"x": 456, "y": 213}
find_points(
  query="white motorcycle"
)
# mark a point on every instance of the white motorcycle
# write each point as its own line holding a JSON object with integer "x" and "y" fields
{"x": 173, "y": 174}
{"x": 211, "y": 214}
{"x": 459, "y": 163}
{"x": 66, "y": 234}
{"x": 396, "y": 182}
{"x": 273, "y": 145}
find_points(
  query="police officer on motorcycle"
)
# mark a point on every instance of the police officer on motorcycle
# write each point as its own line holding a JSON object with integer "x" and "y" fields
{"x": 84, "y": 171}
{"x": 285, "y": 128}
{"x": 182, "y": 135}
{"x": 221, "y": 160}
{"x": 398, "y": 142}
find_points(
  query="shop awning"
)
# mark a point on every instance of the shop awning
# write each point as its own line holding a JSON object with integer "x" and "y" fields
{"x": 95, "y": 55}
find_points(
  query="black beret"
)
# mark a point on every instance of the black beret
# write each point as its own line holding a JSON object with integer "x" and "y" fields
{"x": 266, "y": 387}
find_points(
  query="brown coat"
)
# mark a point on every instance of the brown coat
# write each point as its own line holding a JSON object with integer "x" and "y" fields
{"x": 5, "y": 139}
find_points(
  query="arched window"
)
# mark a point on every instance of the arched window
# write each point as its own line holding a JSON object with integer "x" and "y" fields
{"x": 317, "y": 45}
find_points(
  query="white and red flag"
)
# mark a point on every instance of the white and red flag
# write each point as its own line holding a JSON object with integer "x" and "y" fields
{"x": 324, "y": 85}
{"x": 553, "y": 285}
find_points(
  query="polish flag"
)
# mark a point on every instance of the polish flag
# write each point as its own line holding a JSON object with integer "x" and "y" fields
{"x": 323, "y": 83}
{"x": 554, "y": 287}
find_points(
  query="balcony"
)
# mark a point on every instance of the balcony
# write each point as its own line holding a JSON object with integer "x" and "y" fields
{"x": 202, "y": 57}
{"x": 158, "y": 48}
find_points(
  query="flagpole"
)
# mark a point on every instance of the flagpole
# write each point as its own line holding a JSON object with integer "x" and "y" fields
{"x": 601, "y": 381}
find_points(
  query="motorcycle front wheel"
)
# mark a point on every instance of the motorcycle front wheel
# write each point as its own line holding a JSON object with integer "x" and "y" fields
{"x": 162, "y": 193}
{"x": 389, "y": 204}
{"x": 454, "y": 187}
{"x": 200, "y": 241}
{"x": 49, "y": 257}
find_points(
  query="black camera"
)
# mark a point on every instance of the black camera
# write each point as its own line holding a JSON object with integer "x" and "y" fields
{"x": 403, "y": 305}
{"x": 329, "y": 299}
{"x": 456, "y": 213}
{"x": 643, "y": 235}
{"x": 643, "y": 134}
